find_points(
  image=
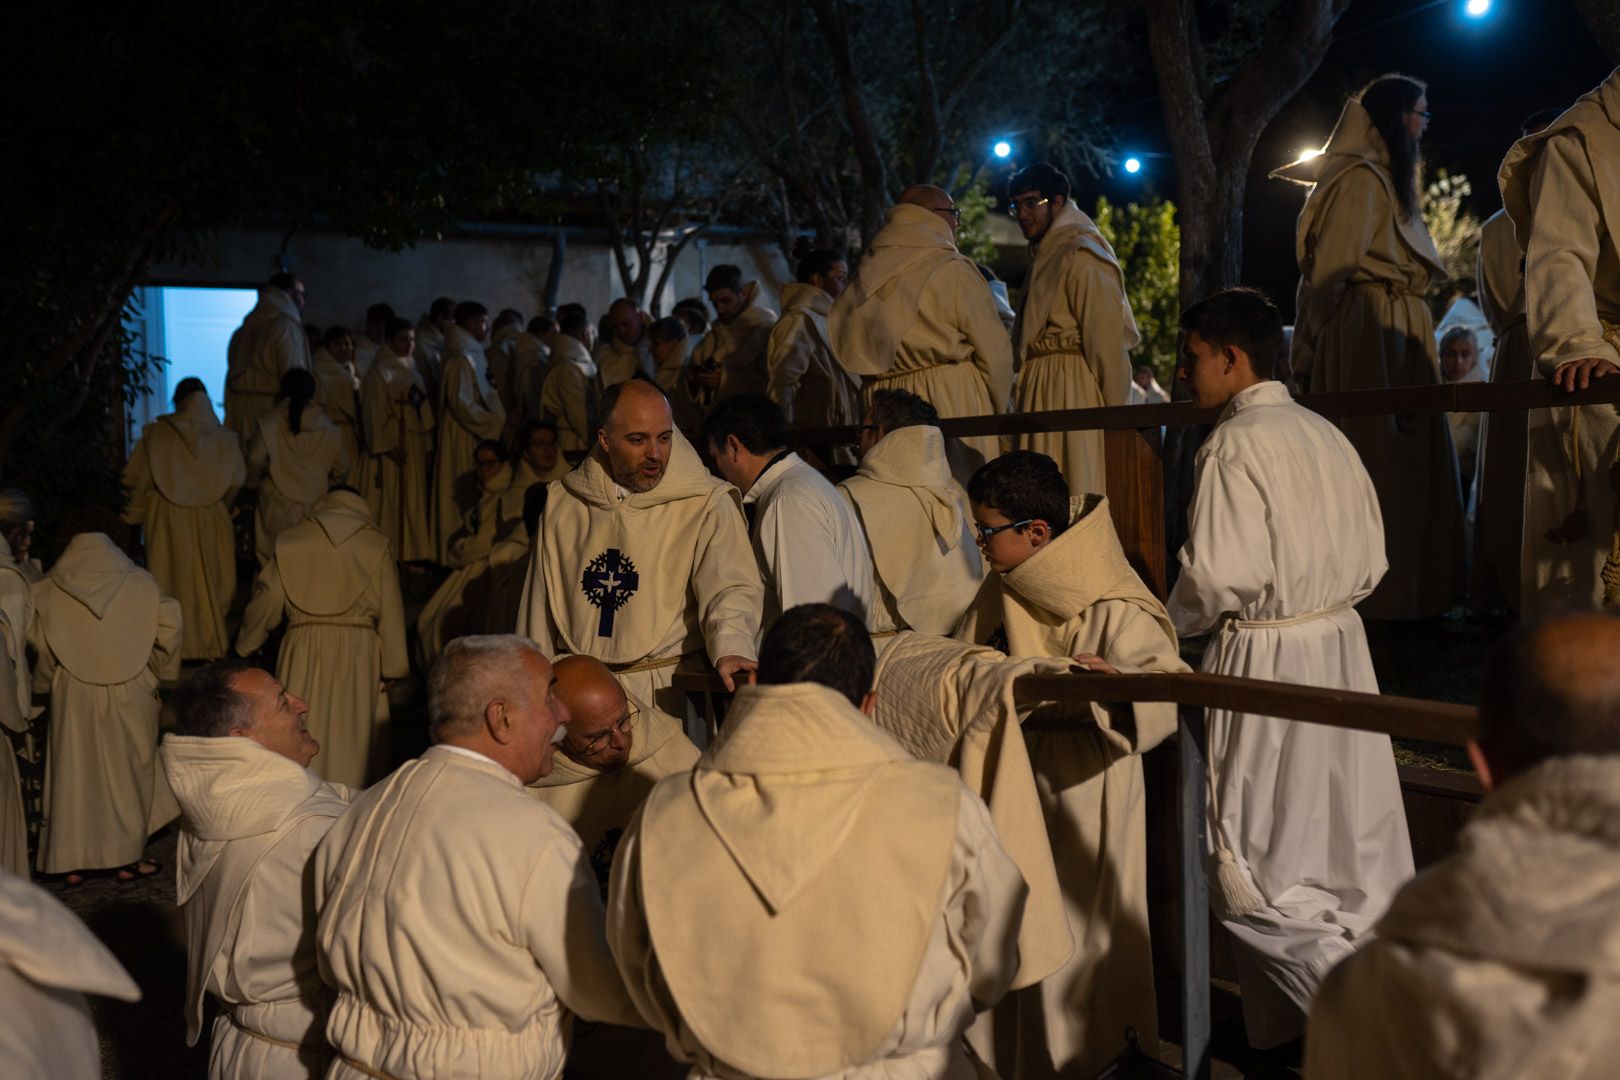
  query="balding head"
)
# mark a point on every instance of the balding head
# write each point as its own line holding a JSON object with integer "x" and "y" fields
{"x": 936, "y": 199}
{"x": 1551, "y": 689}
{"x": 637, "y": 433}
{"x": 600, "y": 717}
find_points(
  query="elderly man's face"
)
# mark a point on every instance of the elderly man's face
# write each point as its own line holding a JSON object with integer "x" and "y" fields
{"x": 538, "y": 722}
{"x": 727, "y": 303}
{"x": 599, "y": 728}
{"x": 627, "y": 324}
{"x": 1458, "y": 357}
{"x": 276, "y": 717}
{"x": 542, "y": 451}
{"x": 637, "y": 439}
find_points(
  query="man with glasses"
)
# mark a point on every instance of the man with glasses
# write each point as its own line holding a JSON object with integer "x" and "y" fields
{"x": 269, "y": 343}
{"x": 920, "y": 317}
{"x": 1075, "y": 329}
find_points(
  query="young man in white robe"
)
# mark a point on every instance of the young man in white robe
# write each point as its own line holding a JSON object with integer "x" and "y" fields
{"x": 732, "y": 354}
{"x": 488, "y": 885}
{"x": 925, "y": 562}
{"x": 1061, "y": 588}
{"x": 805, "y": 378}
{"x": 808, "y": 540}
{"x": 470, "y": 411}
{"x": 1459, "y": 363}
{"x": 501, "y": 356}
{"x": 1562, "y": 191}
{"x": 531, "y": 357}
{"x": 333, "y": 581}
{"x": 624, "y": 354}
{"x": 1075, "y": 330}
{"x": 1284, "y": 539}
{"x": 398, "y": 419}
{"x": 570, "y": 393}
{"x": 183, "y": 476}
{"x": 811, "y": 900}
{"x": 252, "y": 813}
{"x": 643, "y": 558}
{"x": 1502, "y": 959}
{"x": 431, "y": 330}
{"x": 367, "y": 342}
{"x": 269, "y": 343}
{"x": 337, "y": 388}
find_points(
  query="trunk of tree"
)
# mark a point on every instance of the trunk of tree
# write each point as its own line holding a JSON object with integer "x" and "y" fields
{"x": 833, "y": 18}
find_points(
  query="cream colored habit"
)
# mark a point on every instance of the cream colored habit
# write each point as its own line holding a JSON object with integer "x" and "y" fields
{"x": 334, "y": 582}
{"x": 183, "y": 476}
{"x": 469, "y": 410}
{"x": 919, "y": 317}
{"x": 1283, "y": 541}
{"x": 104, "y": 635}
{"x": 1363, "y": 323}
{"x": 48, "y": 961}
{"x": 429, "y": 354}
{"x": 16, "y": 705}
{"x": 337, "y": 389}
{"x": 804, "y": 377}
{"x": 246, "y": 887}
{"x": 269, "y": 343}
{"x": 868, "y": 910}
{"x": 809, "y": 543}
{"x": 1077, "y": 595}
{"x": 1562, "y": 191}
{"x": 292, "y": 471}
{"x": 399, "y": 423}
{"x": 460, "y": 605}
{"x": 640, "y": 581}
{"x": 599, "y": 805}
{"x": 568, "y": 398}
{"x": 1499, "y": 516}
{"x": 502, "y": 915}
{"x": 531, "y": 358}
{"x": 1502, "y": 961}
{"x": 739, "y": 347}
{"x": 915, "y": 517}
{"x": 617, "y": 362}
{"x": 501, "y": 356}
{"x": 1074, "y": 335}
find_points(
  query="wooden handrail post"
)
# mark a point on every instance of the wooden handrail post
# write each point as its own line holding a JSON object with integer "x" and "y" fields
{"x": 1193, "y": 794}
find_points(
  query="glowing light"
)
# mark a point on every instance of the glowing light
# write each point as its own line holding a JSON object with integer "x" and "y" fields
{"x": 1133, "y": 165}
{"x": 1002, "y": 149}
{"x": 1308, "y": 153}
{"x": 1477, "y": 9}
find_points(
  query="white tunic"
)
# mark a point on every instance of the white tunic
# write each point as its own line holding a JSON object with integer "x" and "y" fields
{"x": 1284, "y": 538}
{"x": 809, "y": 543}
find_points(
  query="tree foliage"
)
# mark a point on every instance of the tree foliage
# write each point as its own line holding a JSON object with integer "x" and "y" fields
{"x": 1147, "y": 241}
{"x": 1456, "y": 235}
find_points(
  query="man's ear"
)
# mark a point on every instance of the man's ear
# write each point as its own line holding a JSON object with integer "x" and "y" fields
{"x": 601, "y": 439}
{"x": 497, "y": 723}
{"x": 1039, "y": 532}
{"x": 1059, "y": 201}
{"x": 733, "y": 447}
{"x": 869, "y": 703}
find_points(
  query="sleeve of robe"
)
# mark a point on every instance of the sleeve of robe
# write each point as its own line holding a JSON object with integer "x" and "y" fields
{"x": 1226, "y": 561}
{"x": 1346, "y": 228}
{"x": 290, "y": 345}
{"x": 165, "y": 661}
{"x": 798, "y": 550}
{"x": 1132, "y": 640}
{"x": 1096, "y": 288}
{"x": 138, "y": 478}
{"x": 992, "y": 904}
{"x": 574, "y": 397}
{"x": 462, "y": 401}
{"x": 474, "y": 541}
{"x": 725, "y": 581}
{"x": 396, "y": 661}
{"x": 264, "y": 612}
{"x": 1560, "y": 261}
{"x": 787, "y": 358}
{"x": 975, "y": 312}
{"x": 630, "y": 942}
{"x": 562, "y": 923}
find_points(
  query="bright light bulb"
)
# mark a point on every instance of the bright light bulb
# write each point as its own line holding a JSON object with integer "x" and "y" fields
{"x": 1002, "y": 149}
{"x": 1133, "y": 165}
{"x": 1308, "y": 153}
{"x": 1477, "y": 9}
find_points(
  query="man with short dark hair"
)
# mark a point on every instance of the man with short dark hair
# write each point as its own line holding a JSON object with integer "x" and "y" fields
{"x": 459, "y": 921}
{"x": 866, "y": 908}
{"x": 1075, "y": 329}
{"x": 531, "y": 356}
{"x": 470, "y": 410}
{"x": 269, "y": 343}
{"x": 668, "y": 340}
{"x": 568, "y": 396}
{"x": 926, "y": 566}
{"x": 1284, "y": 538}
{"x": 431, "y": 330}
{"x": 237, "y": 761}
{"x": 642, "y": 557}
{"x": 501, "y": 355}
{"x": 731, "y": 357}
{"x": 805, "y": 378}
{"x": 367, "y": 343}
{"x": 808, "y": 541}
{"x": 1500, "y": 960}
{"x": 625, "y": 353}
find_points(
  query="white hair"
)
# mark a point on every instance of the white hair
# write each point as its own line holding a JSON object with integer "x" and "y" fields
{"x": 471, "y": 672}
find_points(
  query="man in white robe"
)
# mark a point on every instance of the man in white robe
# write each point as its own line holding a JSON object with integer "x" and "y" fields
{"x": 269, "y": 343}
{"x": 501, "y": 356}
{"x": 1562, "y": 191}
{"x": 398, "y": 419}
{"x": 237, "y": 761}
{"x": 808, "y": 541}
{"x": 569, "y": 395}
{"x": 731, "y": 357}
{"x": 643, "y": 557}
{"x": 919, "y": 317}
{"x": 1075, "y": 330}
{"x": 1284, "y": 539}
{"x": 487, "y": 885}
{"x": 470, "y": 411}
{"x": 811, "y": 900}
{"x": 624, "y": 353}
{"x": 1145, "y": 389}
{"x": 1502, "y": 960}
{"x": 368, "y": 342}
{"x": 926, "y": 565}
{"x": 531, "y": 356}
{"x": 431, "y": 330}
{"x": 805, "y": 378}
{"x": 48, "y": 961}
{"x": 337, "y": 390}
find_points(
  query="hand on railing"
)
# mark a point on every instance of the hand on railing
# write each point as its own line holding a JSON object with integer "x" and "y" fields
{"x": 1087, "y": 662}
{"x": 1578, "y": 374}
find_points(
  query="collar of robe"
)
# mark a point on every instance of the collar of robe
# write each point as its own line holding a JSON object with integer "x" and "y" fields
{"x": 273, "y": 304}
{"x": 1595, "y": 120}
{"x": 50, "y": 946}
{"x": 1535, "y": 882}
{"x": 684, "y": 478}
{"x": 1265, "y": 392}
{"x": 1071, "y": 230}
{"x": 914, "y": 458}
{"x": 300, "y": 464}
{"x": 761, "y": 486}
{"x": 654, "y": 728}
{"x": 799, "y": 297}
{"x": 570, "y": 348}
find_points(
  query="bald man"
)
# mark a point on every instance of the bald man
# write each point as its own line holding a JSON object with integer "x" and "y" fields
{"x": 1503, "y": 960}
{"x": 616, "y": 749}
{"x": 643, "y": 558}
{"x": 920, "y": 317}
{"x": 626, "y": 352}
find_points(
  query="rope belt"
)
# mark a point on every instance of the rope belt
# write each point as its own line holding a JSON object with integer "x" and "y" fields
{"x": 890, "y": 376}
{"x": 230, "y": 1014}
{"x": 1391, "y": 289}
{"x": 884, "y": 633}
{"x": 1060, "y": 347}
{"x": 375, "y": 1074}
{"x": 341, "y": 624}
{"x": 1296, "y": 620}
{"x": 646, "y": 665}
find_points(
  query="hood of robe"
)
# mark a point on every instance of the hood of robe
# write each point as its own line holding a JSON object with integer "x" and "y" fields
{"x": 801, "y": 298}
{"x": 300, "y": 465}
{"x": 429, "y": 335}
{"x": 684, "y": 478}
{"x": 1071, "y": 229}
{"x": 871, "y": 317}
{"x": 653, "y": 731}
{"x": 458, "y": 342}
{"x": 50, "y": 946}
{"x": 328, "y": 560}
{"x": 274, "y": 304}
{"x": 94, "y": 588}
{"x": 1535, "y": 882}
{"x": 1084, "y": 565}
{"x": 509, "y": 332}
{"x": 1355, "y": 143}
{"x": 195, "y": 460}
{"x": 568, "y": 348}
{"x": 324, "y": 365}
{"x": 1595, "y": 117}
{"x": 93, "y": 570}
{"x": 802, "y": 806}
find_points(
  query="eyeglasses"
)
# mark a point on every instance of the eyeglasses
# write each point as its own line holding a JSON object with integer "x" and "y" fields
{"x": 1425, "y": 113}
{"x": 954, "y": 212}
{"x": 626, "y": 723}
{"x": 987, "y": 531}
{"x": 1030, "y": 203}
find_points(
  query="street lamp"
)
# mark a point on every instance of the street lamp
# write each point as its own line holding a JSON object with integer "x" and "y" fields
{"x": 1133, "y": 165}
{"x": 1002, "y": 149}
{"x": 1477, "y": 9}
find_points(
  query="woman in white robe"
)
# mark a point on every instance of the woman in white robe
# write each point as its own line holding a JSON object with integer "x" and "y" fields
{"x": 296, "y": 454}
{"x": 398, "y": 419}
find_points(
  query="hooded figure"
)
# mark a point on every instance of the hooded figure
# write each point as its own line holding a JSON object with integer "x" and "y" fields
{"x": 183, "y": 476}
{"x": 292, "y": 468}
{"x": 737, "y": 348}
{"x": 398, "y": 419}
{"x": 470, "y": 410}
{"x": 806, "y": 379}
{"x": 269, "y": 343}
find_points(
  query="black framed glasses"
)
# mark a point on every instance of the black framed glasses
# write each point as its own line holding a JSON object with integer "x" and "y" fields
{"x": 987, "y": 531}
{"x": 954, "y": 212}
{"x": 626, "y": 724}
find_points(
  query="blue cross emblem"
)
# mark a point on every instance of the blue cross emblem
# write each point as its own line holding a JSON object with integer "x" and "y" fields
{"x": 610, "y": 581}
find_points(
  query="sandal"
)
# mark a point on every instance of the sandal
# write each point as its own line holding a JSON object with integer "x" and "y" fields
{"x": 74, "y": 879}
{"x": 136, "y": 871}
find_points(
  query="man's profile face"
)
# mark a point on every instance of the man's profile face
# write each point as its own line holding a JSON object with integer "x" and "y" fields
{"x": 276, "y": 717}
{"x": 727, "y": 303}
{"x": 1458, "y": 357}
{"x": 542, "y": 451}
{"x": 1035, "y": 212}
{"x": 637, "y": 439}
{"x": 1006, "y": 548}
{"x": 1207, "y": 371}
{"x": 538, "y": 723}
{"x": 477, "y": 326}
{"x": 486, "y": 463}
{"x": 297, "y": 294}
{"x": 833, "y": 281}
{"x": 403, "y": 343}
{"x": 627, "y": 325}
{"x": 870, "y": 436}
{"x": 599, "y": 729}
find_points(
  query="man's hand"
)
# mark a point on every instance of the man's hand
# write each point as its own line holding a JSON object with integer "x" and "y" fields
{"x": 1578, "y": 374}
{"x": 1095, "y": 664}
{"x": 730, "y": 666}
